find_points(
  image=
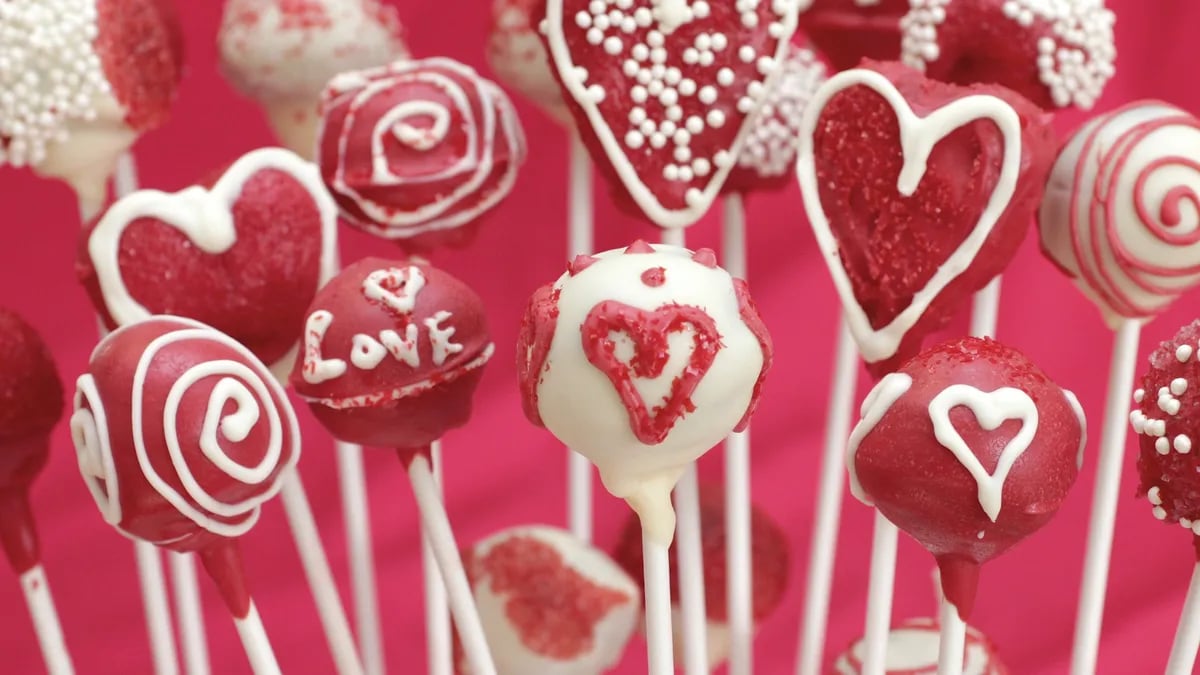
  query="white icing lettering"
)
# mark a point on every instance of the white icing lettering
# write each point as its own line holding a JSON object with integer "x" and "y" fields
{"x": 403, "y": 348}
{"x": 440, "y": 337}
{"x": 316, "y": 368}
{"x": 366, "y": 353}
{"x": 395, "y": 288}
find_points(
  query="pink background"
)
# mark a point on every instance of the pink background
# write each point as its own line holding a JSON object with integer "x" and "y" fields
{"x": 502, "y": 471}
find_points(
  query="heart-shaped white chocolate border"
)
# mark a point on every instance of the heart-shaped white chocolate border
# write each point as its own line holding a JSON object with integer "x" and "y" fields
{"x": 562, "y": 61}
{"x": 205, "y": 217}
{"x": 918, "y": 137}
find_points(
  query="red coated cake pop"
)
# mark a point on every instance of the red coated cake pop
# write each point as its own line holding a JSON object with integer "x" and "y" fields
{"x": 31, "y": 404}
{"x": 1167, "y": 426}
{"x": 393, "y": 351}
{"x": 912, "y": 649}
{"x": 1053, "y": 52}
{"x": 246, "y": 254}
{"x": 1120, "y": 216}
{"x": 551, "y": 604}
{"x": 282, "y": 53}
{"x": 969, "y": 448}
{"x": 82, "y": 79}
{"x": 919, "y": 194}
{"x": 664, "y": 92}
{"x": 516, "y": 54}
{"x": 848, "y": 31}
{"x": 770, "y": 573}
{"x": 418, "y": 151}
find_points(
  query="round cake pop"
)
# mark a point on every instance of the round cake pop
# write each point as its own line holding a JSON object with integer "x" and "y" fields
{"x": 418, "y": 151}
{"x": 31, "y": 404}
{"x": 83, "y": 78}
{"x": 770, "y": 573}
{"x": 848, "y": 31}
{"x": 969, "y": 448}
{"x": 550, "y": 603}
{"x": 768, "y": 157}
{"x": 393, "y": 351}
{"x": 245, "y": 254}
{"x": 919, "y": 193}
{"x": 282, "y": 53}
{"x": 665, "y": 93}
{"x": 1054, "y": 53}
{"x": 912, "y": 649}
{"x": 516, "y": 54}
{"x": 641, "y": 360}
{"x": 1120, "y": 214}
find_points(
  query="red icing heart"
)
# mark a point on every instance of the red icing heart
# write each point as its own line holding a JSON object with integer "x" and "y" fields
{"x": 650, "y": 333}
{"x": 273, "y": 226}
{"x": 904, "y": 261}
{"x": 663, "y": 89}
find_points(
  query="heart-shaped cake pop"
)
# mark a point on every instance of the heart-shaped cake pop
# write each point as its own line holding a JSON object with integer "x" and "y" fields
{"x": 665, "y": 91}
{"x": 969, "y": 448}
{"x": 245, "y": 255}
{"x": 919, "y": 193}
{"x": 848, "y": 31}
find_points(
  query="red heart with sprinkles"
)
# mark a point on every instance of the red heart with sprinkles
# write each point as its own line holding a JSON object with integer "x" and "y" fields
{"x": 664, "y": 90}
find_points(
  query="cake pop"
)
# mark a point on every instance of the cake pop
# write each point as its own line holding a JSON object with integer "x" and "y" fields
{"x": 83, "y": 79}
{"x": 418, "y": 151}
{"x": 848, "y": 31}
{"x": 518, "y": 57}
{"x": 696, "y": 79}
{"x": 929, "y": 434}
{"x": 913, "y": 650}
{"x": 550, "y": 603}
{"x": 919, "y": 194}
{"x": 282, "y": 53}
{"x": 1056, "y": 54}
{"x": 259, "y": 241}
{"x": 770, "y": 573}
{"x": 642, "y": 359}
{"x": 182, "y": 435}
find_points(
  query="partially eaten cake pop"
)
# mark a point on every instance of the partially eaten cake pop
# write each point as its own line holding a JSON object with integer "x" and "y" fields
{"x": 282, "y": 53}
{"x": 550, "y": 603}
{"x": 912, "y": 649}
{"x": 82, "y": 79}
{"x": 642, "y": 359}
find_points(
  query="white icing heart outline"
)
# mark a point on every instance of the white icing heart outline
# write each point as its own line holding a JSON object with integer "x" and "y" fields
{"x": 562, "y": 61}
{"x": 918, "y": 137}
{"x": 991, "y": 409}
{"x": 205, "y": 217}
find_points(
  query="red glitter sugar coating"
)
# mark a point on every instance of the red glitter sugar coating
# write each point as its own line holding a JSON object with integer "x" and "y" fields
{"x": 141, "y": 49}
{"x": 257, "y": 292}
{"x": 770, "y": 556}
{"x": 848, "y": 31}
{"x": 552, "y": 607}
{"x": 1175, "y": 474}
{"x": 891, "y": 245}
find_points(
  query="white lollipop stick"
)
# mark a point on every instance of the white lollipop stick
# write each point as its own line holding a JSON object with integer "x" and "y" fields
{"x": 320, "y": 577}
{"x": 879, "y": 596}
{"x": 738, "y": 546}
{"x": 441, "y": 539}
{"x": 830, "y": 493}
{"x": 254, "y": 641}
{"x": 657, "y": 579}
{"x": 437, "y": 612}
{"x": 953, "y": 641}
{"x": 357, "y": 518}
{"x": 1104, "y": 500}
{"x": 579, "y": 241}
{"x": 690, "y": 552}
{"x": 191, "y": 615}
{"x": 1187, "y": 635}
{"x": 986, "y": 310}
{"x": 45, "y": 622}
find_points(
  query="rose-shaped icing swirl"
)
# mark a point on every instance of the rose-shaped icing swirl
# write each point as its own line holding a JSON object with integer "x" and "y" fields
{"x": 418, "y": 147}
{"x": 181, "y": 434}
{"x": 1122, "y": 213}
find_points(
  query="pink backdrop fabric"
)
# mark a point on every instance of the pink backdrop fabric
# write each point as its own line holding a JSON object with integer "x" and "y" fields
{"x": 501, "y": 471}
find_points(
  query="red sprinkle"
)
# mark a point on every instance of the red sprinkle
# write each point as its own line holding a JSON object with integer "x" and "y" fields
{"x": 654, "y": 277}
{"x": 581, "y": 263}
{"x": 639, "y": 246}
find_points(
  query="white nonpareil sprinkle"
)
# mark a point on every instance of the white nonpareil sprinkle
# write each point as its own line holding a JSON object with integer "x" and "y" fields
{"x": 1178, "y": 386}
{"x": 1153, "y": 495}
{"x": 1183, "y": 353}
{"x": 49, "y": 74}
{"x": 1160, "y": 512}
{"x": 1138, "y": 395}
{"x": 1162, "y": 446}
{"x": 770, "y": 149}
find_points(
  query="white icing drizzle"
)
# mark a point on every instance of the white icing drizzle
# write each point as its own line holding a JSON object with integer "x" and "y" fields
{"x": 440, "y": 338}
{"x": 316, "y": 368}
{"x": 1073, "y": 401}
{"x": 50, "y": 75}
{"x": 649, "y": 66}
{"x": 396, "y": 288}
{"x": 93, "y": 449}
{"x": 918, "y": 137}
{"x": 991, "y": 409}
{"x": 874, "y": 407}
{"x": 1074, "y": 63}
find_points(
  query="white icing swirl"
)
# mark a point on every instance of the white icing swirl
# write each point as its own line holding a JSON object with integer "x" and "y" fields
{"x": 93, "y": 449}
